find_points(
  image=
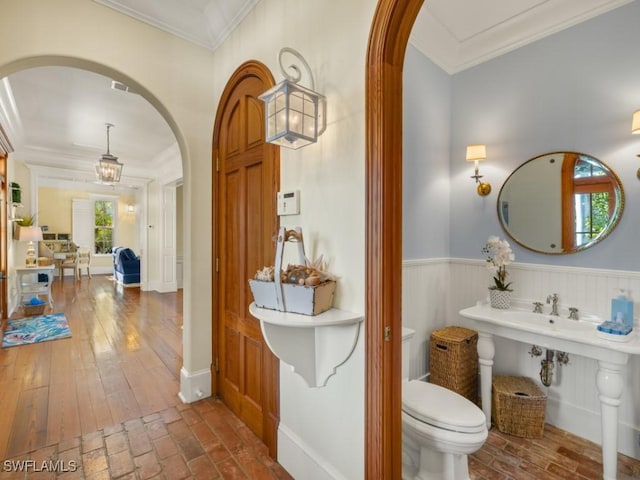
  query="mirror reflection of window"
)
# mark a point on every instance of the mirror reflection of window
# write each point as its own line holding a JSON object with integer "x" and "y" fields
{"x": 589, "y": 196}
{"x": 560, "y": 202}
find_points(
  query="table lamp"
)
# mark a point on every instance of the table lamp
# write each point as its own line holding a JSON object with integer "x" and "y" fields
{"x": 30, "y": 234}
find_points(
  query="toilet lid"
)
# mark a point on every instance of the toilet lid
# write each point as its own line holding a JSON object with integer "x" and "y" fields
{"x": 442, "y": 408}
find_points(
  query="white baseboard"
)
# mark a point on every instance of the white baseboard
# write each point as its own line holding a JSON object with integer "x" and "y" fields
{"x": 300, "y": 460}
{"x": 194, "y": 386}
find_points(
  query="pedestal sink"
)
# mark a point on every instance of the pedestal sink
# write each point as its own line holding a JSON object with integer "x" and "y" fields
{"x": 557, "y": 333}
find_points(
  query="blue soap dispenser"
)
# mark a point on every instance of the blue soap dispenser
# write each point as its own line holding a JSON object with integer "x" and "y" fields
{"x": 622, "y": 311}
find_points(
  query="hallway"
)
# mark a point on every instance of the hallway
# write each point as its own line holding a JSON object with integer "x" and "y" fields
{"x": 104, "y": 402}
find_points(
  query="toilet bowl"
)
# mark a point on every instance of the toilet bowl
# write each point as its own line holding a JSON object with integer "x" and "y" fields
{"x": 439, "y": 429}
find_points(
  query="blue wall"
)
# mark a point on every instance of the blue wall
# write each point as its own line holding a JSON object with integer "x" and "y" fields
{"x": 426, "y": 154}
{"x": 575, "y": 90}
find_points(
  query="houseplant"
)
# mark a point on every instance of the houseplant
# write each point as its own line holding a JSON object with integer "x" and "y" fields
{"x": 16, "y": 193}
{"x": 26, "y": 221}
{"x": 499, "y": 255}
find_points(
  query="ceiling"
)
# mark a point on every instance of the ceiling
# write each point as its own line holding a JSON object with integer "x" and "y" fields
{"x": 55, "y": 116}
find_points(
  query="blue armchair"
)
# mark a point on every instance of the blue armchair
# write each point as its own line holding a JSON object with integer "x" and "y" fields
{"x": 126, "y": 266}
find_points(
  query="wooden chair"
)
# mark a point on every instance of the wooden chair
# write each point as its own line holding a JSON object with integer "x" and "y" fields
{"x": 83, "y": 260}
{"x": 69, "y": 262}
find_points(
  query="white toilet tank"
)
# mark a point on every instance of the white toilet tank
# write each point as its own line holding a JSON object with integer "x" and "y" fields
{"x": 407, "y": 335}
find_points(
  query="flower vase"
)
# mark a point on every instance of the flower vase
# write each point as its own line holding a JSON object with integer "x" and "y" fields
{"x": 500, "y": 298}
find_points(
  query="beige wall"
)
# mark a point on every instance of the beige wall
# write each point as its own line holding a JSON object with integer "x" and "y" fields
{"x": 326, "y": 423}
{"x": 55, "y": 211}
{"x": 172, "y": 74}
{"x": 179, "y": 222}
{"x": 322, "y": 430}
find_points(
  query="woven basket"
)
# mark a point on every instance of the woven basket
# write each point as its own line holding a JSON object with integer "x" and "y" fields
{"x": 30, "y": 310}
{"x": 518, "y": 406}
{"x": 453, "y": 360}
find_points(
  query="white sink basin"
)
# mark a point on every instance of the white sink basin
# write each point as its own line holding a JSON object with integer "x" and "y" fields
{"x": 558, "y": 333}
{"x": 543, "y": 322}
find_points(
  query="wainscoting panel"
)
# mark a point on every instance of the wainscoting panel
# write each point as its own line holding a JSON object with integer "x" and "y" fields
{"x": 573, "y": 405}
{"x": 425, "y": 299}
{"x": 572, "y": 397}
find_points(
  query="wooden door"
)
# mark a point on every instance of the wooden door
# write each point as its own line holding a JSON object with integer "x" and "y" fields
{"x": 246, "y": 183}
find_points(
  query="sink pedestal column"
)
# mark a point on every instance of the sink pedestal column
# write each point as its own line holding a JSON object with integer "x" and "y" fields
{"x": 486, "y": 352}
{"x": 610, "y": 386}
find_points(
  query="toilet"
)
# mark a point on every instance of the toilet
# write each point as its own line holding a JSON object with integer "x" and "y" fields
{"x": 439, "y": 427}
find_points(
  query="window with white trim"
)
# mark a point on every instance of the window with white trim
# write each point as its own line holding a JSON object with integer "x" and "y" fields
{"x": 94, "y": 222}
{"x": 103, "y": 229}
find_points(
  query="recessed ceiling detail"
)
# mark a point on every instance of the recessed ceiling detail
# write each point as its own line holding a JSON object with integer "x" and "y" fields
{"x": 458, "y": 34}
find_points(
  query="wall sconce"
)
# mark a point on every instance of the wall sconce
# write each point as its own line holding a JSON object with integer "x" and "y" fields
{"x": 295, "y": 116}
{"x": 131, "y": 208}
{"x": 476, "y": 153}
{"x": 635, "y": 129}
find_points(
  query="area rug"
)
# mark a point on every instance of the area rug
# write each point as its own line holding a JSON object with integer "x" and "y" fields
{"x": 23, "y": 331}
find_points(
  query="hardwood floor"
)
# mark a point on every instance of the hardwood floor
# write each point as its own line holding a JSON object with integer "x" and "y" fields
{"x": 122, "y": 362}
{"x": 105, "y": 401}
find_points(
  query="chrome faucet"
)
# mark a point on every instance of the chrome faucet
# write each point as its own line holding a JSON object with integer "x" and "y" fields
{"x": 553, "y": 300}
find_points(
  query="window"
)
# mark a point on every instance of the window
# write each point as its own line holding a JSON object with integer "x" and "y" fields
{"x": 103, "y": 226}
{"x": 589, "y": 201}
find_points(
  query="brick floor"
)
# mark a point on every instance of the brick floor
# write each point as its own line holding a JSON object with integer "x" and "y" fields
{"x": 203, "y": 441}
{"x": 557, "y": 455}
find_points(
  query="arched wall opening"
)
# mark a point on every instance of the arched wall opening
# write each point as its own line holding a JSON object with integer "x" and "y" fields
{"x": 92, "y": 66}
{"x": 147, "y": 248}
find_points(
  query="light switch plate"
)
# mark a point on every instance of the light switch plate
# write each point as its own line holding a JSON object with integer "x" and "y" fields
{"x": 289, "y": 202}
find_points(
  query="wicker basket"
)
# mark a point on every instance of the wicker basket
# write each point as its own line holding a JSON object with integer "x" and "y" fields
{"x": 453, "y": 360}
{"x": 518, "y": 406}
{"x": 31, "y": 310}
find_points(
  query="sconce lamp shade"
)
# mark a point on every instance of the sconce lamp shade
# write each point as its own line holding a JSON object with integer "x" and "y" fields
{"x": 476, "y": 152}
{"x": 295, "y": 116}
{"x": 635, "y": 123}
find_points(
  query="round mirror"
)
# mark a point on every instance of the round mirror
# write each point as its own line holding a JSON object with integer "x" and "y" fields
{"x": 560, "y": 203}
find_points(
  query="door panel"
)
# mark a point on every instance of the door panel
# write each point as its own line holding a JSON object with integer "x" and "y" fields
{"x": 246, "y": 186}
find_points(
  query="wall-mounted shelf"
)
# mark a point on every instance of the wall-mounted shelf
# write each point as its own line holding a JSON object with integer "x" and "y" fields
{"x": 315, "y": 346}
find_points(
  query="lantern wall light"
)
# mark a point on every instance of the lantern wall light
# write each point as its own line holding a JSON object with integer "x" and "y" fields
{"x": 295, "y": 116}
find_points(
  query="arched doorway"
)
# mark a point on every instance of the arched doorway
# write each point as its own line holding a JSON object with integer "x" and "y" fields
{"x": 78, "y": 93}
{"x": 388, "y": 39}
{"x": 246, "y": 178}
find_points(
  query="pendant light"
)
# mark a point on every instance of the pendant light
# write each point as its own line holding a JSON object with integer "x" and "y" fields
{"x": 108, "y": 169}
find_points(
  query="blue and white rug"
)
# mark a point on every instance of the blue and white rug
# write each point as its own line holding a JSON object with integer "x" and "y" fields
{"x": 23, "y": 331}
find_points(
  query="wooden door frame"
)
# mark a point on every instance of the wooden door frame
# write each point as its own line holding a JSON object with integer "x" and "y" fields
{"x": 388, "y": 38}
{"x": 5, "y": 228}
{"x": 250, "y": 68}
